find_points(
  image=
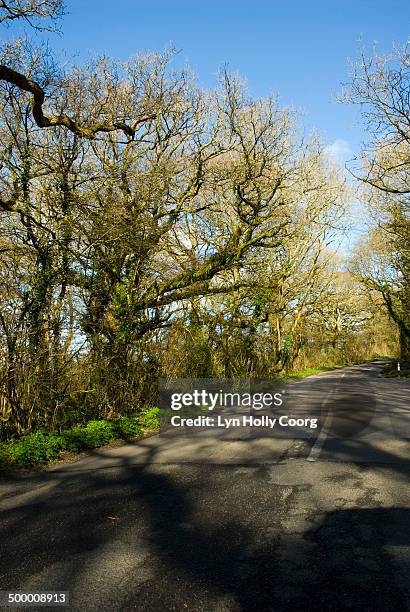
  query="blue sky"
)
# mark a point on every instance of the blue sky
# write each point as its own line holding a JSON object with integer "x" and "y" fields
{"x": 297, "y": 49}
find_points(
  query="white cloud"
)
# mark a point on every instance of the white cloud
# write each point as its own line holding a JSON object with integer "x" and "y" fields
{"x": 339, "y": 151}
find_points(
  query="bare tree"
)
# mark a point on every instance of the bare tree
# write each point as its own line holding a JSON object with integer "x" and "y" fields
{"x": 34, "y": 12}
{"x": 381, "y": 86}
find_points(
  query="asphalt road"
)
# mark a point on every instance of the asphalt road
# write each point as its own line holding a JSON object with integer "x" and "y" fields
{"x": 228, "y": 521}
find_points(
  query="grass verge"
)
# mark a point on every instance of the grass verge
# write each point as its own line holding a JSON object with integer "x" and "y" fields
{"x": 309, "y": 372}
{"x": 42, "y": 446}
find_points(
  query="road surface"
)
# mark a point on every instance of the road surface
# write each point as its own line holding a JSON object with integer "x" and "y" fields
{"x": 210, "y": 522}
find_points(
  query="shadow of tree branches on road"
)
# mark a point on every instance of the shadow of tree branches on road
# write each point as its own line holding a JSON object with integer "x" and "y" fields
{"x": 197, "y": 537}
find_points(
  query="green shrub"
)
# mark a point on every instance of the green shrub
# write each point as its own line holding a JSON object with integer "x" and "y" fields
{"x": 74, "y": 438}
{"x": 128, "y": 427}
{"x": 94, "y": 434}
{"x": 40, "y": 447}
{"x": 33, "y": 449}
{"x": 100, "y": 432}
{"x": 149, "y": 419}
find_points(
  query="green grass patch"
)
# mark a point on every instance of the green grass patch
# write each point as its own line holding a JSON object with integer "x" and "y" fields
{"x": 309, "y": 372}
{"x": 150, "y": 419}
{"x": 42, "y": 447}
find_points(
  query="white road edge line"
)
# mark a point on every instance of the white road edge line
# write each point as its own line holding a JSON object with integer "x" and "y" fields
{"x": 318, "y": 445}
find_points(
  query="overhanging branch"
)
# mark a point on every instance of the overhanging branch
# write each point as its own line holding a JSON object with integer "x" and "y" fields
{"x": 43, "y": 121}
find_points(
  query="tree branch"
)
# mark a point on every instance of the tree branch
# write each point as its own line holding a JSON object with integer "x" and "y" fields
{"x": 43, "y": 121}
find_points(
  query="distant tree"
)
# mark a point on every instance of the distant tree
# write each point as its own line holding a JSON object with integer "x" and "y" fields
{"x": 382, "y": 263}
{"x": 381, "y": 86}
